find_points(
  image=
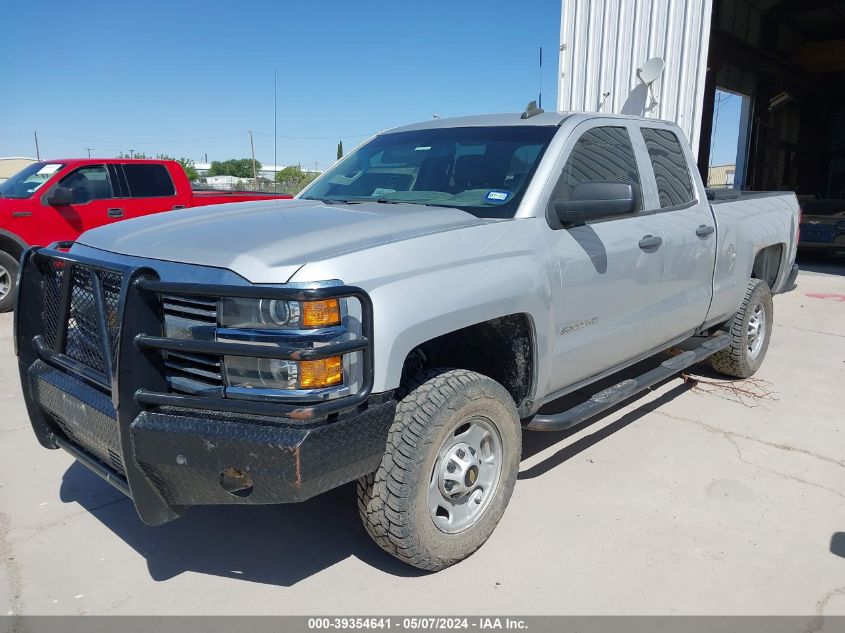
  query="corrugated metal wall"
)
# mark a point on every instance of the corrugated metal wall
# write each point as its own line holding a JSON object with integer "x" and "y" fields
{"x": 603, "y": 42}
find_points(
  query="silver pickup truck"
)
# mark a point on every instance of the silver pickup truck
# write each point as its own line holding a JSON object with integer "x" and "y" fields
{"x": 399, "y": 323}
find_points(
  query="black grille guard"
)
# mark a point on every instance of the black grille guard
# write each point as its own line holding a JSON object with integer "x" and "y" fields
{"x": 133, "y": 373}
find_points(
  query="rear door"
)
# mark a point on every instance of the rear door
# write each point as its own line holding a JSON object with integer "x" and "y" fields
{"x": 607, "y": 311}
{"x": 149, "y": 189}
{"x": 689, "y": 238}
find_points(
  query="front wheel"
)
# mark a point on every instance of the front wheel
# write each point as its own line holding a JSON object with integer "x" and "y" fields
{"x": 448, "y": 471}
{"x": 750, "y": 331}
{"x": 8, "y": 281}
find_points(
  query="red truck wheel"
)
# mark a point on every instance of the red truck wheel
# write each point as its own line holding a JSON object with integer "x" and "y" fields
{"x": 8, "y": 281}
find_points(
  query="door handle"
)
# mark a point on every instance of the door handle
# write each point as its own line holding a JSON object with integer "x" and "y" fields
{"x": 115, "y": 213}
{"x": 650, "y": 242}
{"x": 176, "y": 207}
{"x": 704, "y": 230}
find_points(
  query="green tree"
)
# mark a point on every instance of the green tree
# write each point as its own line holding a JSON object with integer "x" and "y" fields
{"x": 339, "y": 150}
{"x": 190, "y": 171}
{"x": 293, "y": 179}
{"x": 238, "y": 167}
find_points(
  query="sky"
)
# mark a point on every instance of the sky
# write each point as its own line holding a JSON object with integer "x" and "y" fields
{"x": 726, "y": 114}
{"x": 189, "y": 79}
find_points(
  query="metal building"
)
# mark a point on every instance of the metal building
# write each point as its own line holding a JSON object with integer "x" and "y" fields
{"x": 785, "y": 60}
{"x": 605, "y": 42}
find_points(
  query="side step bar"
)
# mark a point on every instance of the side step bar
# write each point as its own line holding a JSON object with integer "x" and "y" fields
{"x": 611, "y": 396}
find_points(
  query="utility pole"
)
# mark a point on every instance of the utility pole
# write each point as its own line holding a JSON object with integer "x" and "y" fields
{"x": 275, "y": 135}
{"x": 131, "y": 151}
{"x": 88, "y": 149}
{"x": 254, "y": 169}
{"x": 37, "y": 151}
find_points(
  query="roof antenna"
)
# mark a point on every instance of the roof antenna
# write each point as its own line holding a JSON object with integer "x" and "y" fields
{"x": 531, "y": 110}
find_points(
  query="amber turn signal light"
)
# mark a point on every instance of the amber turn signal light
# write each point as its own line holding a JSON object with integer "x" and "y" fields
{"x": 316, "y": 374}
{"x": 320, "y": 313}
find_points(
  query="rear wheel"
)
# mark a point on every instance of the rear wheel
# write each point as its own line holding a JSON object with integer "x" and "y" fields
{"x": 8, "y": 281}
{"x": 750, "y": 331}
{"x": 448, "y": 471}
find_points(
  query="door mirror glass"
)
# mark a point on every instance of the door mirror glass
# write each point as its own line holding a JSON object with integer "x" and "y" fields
{"x": 594, "y": 200}
{"x": 60, "y": 197}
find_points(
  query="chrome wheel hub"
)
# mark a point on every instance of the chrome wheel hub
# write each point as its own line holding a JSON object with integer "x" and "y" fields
{"x": 756, "y": 330}
{"x": 465, "y": 476}
{"x": 5, "y": 282}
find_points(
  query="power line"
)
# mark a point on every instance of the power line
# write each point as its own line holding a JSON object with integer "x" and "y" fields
{"x": 314, "y": 138}
{"x": 137, "y": 142}
{"x": 200, "y": 140}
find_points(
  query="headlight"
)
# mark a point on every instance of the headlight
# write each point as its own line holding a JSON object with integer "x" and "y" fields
{"x": 271, "y": 373}
{"x": 269, "y": 323}
{"x": 273, "y": 313}
{"x": 841, "y": 225}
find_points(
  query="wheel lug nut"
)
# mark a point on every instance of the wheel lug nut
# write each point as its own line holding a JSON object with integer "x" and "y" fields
{"x": 461, "y": 453}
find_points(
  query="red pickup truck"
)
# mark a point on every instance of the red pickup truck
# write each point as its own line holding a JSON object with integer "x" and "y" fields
{"x": 57, "y": 200}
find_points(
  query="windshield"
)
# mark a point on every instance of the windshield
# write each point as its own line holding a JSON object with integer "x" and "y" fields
{"x": 481, "y": 170}
{"x": 27, "y": 181}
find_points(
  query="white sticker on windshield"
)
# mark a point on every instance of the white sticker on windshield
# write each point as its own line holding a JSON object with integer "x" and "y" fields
{"x": 497, "y": 195}
{"x": 47, "y": 170}
{"x": 380, "y": 191}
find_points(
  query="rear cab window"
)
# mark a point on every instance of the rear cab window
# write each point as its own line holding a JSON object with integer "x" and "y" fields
{"x": 671, "y": 172}
{"x": 146, "y": 180}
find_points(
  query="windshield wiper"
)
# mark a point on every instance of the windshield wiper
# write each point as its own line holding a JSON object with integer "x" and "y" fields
{"x": 337, "y": 200}
{"x": 419, "y": 202}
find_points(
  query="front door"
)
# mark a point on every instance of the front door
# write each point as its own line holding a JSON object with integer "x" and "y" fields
{"x": 94, "y": 203}
{"x": 608, "y": 304}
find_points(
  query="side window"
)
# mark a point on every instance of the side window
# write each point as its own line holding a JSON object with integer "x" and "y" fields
{"x": 670, "y": 167}
{"x": 147, "y": 180}
{"x": 88, "y": 183}
{"x": 601, "y": 155}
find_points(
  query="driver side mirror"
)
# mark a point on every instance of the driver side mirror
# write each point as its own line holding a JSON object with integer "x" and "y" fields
{"x": 594, "y": 200}
{"x": 60, "y": 197}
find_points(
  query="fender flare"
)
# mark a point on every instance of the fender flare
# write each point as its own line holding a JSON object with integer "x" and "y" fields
{"x": 17, "y": 240}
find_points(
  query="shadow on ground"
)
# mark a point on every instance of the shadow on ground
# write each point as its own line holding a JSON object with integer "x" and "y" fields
{"x": 819, "y": 263}
{"x": 277, "y": 545}
{"x": 282, "y": 545}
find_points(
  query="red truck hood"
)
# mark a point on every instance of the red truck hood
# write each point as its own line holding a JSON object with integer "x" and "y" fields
{"x": 267, "y": 241}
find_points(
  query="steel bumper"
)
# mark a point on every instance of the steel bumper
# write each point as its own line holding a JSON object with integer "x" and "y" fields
{"x": 182, "y": 453}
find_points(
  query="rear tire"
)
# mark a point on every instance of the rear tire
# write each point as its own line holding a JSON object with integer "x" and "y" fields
{"x": 750, "y": 331}
{"x": 448, "y": 471}
{"x": 8, "y": 281}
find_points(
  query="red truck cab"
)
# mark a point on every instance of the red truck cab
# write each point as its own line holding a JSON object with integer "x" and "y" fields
{"x": 57, "y": 200}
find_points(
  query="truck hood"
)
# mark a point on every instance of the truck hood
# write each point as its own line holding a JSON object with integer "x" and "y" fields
{"x": 267, "y": 241}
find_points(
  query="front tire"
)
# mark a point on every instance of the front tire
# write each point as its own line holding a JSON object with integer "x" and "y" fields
{"x": 8, "y": 281}
{"x": 750, "y": 332}
{"x": 448, "y": 471}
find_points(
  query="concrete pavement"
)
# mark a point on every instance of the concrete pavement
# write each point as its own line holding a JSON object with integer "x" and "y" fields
{"x": 691, "y": 499}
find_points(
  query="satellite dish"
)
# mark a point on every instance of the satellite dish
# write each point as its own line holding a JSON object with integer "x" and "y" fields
{"x": 651, "y": 70}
